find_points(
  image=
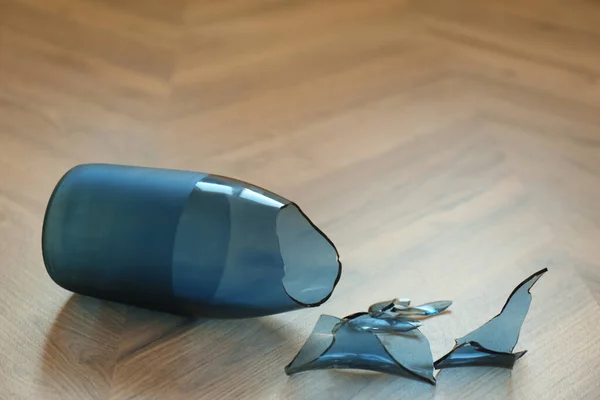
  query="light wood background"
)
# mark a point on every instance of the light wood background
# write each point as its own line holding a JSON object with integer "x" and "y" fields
{"x": 449, "y": 148}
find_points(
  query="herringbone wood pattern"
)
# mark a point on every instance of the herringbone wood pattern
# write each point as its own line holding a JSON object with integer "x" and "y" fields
{"x": 449, "y": 148}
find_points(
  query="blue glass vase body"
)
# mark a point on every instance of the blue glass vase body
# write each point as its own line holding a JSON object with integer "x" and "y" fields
{"x": 184, "y": 242}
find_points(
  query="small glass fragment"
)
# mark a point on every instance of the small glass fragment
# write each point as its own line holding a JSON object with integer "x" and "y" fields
{"x": 384, "y": 305}
{"x": 424, "y": 310}
{"x": 492, "y": 343}
{"x": 401, "y": 307}
{"x": 382, "y": 323}
{"x": 377, "y": 340}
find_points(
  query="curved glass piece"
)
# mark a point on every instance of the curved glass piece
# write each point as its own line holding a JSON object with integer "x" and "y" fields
{"x": 424, "y": 310}
{"x": 375, "y": 341}
{"x": 319, "y": 341}
{"x": 412, "y": 351}
{"x": 184, "y": 242}
{"x": 472, "y": 354}
{"x": 492, "y": 343}
{"x": 382, "y": 323}
{"x": 335, "y": 343}
{"x": 388, "y": 305}
{"x": 403, "y": 308}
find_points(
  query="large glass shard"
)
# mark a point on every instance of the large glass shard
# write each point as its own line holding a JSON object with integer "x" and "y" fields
{"x": 376, "y": 341}
{"x": 184, "y": 242}
{"x": 492, "y": 343}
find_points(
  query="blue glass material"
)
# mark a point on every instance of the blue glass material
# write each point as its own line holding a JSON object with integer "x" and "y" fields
{"x": 184, "y": 242}
{"x": 492, "y": 343}
{"x": 379, "y": 340}
{"x": 387, "y": 339}
{"x": 403, "y": 308}
{"x": 335, "y": 343}
{"x": 382, "y": 322}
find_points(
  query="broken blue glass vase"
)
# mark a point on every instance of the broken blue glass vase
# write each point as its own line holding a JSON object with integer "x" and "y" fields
{"x": 184, "y": 242}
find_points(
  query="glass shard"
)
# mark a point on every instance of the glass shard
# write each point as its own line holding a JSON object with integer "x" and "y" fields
{"x": 376, "y": 340}
{"x": 401, "y": 307}
{"x": 384, "y": 305}
{"x": 471, "y": 354}
{"x": 317, "y": 343}
{"x": 411, "y": 350}
{"x": 382, "y": 323}
{"x": 492, "y": 343}
{"x": 424, "y": 310}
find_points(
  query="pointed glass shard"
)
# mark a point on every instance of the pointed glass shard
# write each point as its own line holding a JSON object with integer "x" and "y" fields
{"x": 316, "y": 345}
{"x": 492, "y": 343}
{"x": 471, "y": 354}
{"x": 412, "y": 351}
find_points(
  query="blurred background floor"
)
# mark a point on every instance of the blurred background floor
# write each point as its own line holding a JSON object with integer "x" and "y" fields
{"x": 449, "y": 149}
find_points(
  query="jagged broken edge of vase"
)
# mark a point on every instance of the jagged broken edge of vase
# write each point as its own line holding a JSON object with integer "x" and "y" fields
{"x": 268, "y": 257}
{"x": 308, "y": 244}
{"x": 492, "y": 344}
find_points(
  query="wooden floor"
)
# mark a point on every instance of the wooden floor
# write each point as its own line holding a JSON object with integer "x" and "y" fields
{"x": 449, "y": 149}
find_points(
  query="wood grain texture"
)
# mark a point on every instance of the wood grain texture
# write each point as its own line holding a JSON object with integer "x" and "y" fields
{"x": 449, "y": 148}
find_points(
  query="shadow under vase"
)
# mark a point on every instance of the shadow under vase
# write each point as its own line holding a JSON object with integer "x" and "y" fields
{"x": 98, "y": 349}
